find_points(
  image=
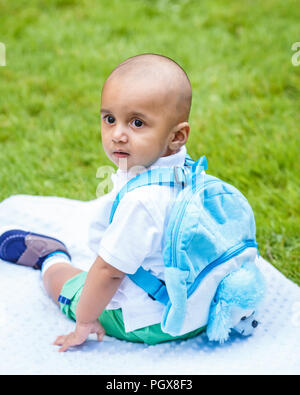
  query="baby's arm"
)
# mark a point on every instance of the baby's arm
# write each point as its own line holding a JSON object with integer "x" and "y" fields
{"x": 101, "y": 284}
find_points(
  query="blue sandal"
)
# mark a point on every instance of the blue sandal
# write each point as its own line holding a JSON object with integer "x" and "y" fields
{"x": 27, "y": 248}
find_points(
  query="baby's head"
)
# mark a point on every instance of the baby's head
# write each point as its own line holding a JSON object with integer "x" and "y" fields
{"x": 145, "y": 108}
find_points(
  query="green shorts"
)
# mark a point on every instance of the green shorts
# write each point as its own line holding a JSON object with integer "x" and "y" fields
{"x": 112, "y": 320}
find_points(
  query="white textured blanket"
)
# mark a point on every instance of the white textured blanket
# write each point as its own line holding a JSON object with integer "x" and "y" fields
{"x": 30, "y": 321}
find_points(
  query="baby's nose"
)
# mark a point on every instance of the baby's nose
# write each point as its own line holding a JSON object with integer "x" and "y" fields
{"x": 119, "y": 135}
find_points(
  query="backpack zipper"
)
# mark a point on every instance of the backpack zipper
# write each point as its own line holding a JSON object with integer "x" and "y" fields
{"x": 179, "y": 220}
{"x": 229, "y": 254}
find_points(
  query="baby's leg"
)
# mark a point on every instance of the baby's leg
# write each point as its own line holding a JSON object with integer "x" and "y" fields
{"x": 56, "y": 276}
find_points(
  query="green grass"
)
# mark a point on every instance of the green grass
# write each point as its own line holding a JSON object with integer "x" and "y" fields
{"x": 246, "y": 110}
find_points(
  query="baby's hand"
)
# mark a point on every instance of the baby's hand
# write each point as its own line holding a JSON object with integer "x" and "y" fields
{"x": 80, "y": 335}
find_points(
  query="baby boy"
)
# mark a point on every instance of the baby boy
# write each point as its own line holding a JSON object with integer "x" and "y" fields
{"x": 145, "y": 108}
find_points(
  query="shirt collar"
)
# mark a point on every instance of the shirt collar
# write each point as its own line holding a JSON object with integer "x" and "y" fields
{"x": 171, "y": 160}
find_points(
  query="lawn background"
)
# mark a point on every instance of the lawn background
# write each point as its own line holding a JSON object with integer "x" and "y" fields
{"x": 245, "y": 115}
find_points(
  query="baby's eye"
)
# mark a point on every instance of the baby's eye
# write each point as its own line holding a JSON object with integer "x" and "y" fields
{"x": 109, "y": 119}
{"x": 137, "y": 123}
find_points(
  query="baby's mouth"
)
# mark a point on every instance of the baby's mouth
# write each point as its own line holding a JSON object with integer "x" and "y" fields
{"x": 121, "y": 154}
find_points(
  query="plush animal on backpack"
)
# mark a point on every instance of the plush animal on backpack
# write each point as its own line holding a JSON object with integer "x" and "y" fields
{"x": 235, "y": 303}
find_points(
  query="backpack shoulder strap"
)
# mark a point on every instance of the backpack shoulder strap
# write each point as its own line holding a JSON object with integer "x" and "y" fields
{"x": 160, "y": 176}
{"x": 172, "y": 176}
{"x": 154, "y": 287}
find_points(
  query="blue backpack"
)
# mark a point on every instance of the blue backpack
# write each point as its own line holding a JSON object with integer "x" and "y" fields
{"x": 210, "y": 233}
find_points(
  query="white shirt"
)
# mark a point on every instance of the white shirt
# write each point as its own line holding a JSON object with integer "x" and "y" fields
{"x": 134, "y": 239}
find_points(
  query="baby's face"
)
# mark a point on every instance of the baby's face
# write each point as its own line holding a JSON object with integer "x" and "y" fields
{"x": 136, "y": 122}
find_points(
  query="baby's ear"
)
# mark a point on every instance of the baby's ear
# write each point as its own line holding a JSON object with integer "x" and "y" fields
{"x": 180, "y": 134}
{"x": 218, "y": 326}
